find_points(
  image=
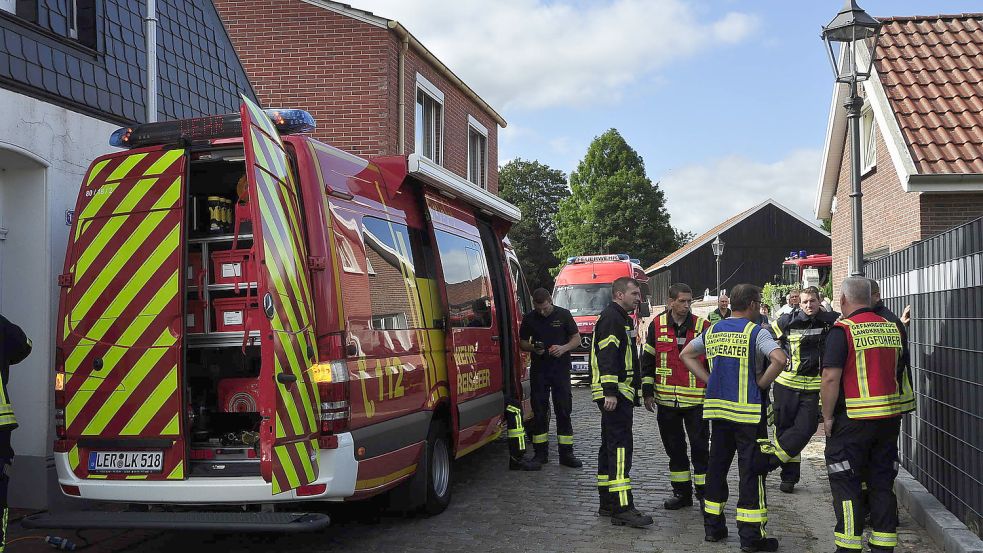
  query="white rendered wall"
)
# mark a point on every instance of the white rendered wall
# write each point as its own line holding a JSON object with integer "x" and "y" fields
{"x": 44, "y": 153}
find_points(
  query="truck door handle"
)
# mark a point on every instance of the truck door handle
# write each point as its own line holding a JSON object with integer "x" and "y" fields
{"x": 286, "y": 378}
{"x": 494, "y": 338}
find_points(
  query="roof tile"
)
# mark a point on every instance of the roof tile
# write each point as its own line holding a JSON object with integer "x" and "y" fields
{"x": 932, "y": 71}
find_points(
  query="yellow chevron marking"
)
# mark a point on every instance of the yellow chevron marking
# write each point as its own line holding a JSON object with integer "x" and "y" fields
{"x": 95, "y": 170}
{"x": 178, "y": 472}
{"x": 125, "y": 297}
{"x": 155, "y": 403}
{"x": 124, "y": 168}
{"x": 173, "y": 427}
{"x": 134, "y": 377}
{"x": 73, "y": 457}
{"x": 165, "y": 161}
{"x": 305, "y": 460}
{"x": 113, "y": 356}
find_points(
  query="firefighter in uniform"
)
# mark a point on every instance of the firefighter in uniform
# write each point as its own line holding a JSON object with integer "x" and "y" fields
{"x": 614, "y": 386}
{"x": 15, "y": 346}
{"x": 679, "y": 395}
{"x": 550, "y": 333}
{"x": 802, "y": 333}
{"x": 722, "y": 311}
{"x": 866, "y": 388}
{"x": 736, "y": 401}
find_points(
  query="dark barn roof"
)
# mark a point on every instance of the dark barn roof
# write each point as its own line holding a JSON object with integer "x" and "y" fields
{"x": 756, "y": 242}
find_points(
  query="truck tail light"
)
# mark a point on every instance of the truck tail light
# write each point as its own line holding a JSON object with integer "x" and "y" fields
{"x": 332, "y": 386}
{"x": 60, "y": 433}
{"x": 312, "y": 489}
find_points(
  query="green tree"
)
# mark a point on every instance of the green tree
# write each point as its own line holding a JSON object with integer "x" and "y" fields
{"x": 537, "y": 191}
{"x": 614, "y": 207}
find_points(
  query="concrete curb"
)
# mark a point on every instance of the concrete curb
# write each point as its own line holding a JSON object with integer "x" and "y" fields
{"x": 947, "y": 531}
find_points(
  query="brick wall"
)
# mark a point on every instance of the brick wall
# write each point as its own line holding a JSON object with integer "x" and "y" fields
{"x": 941, "y": 212}
{"x": 891, "y": 218}
{"x": 345, "y": 72}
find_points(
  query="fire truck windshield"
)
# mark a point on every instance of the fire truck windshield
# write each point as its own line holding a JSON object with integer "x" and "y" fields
{"x": 583, "y": 299}
{"x": 790, "y": 274}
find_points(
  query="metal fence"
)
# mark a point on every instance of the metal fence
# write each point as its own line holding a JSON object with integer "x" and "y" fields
{"x": 941, "y": 278}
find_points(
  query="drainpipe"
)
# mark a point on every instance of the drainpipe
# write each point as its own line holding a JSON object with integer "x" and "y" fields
{"x": 151, "y": 32}
{"x": 402, "y": 94}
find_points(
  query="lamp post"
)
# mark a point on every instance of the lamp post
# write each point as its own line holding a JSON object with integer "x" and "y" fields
{"x": 851, "y": 38}
{"x": 718, "y": 251}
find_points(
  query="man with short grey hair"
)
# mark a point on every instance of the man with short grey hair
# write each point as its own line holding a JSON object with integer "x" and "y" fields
{"x": 865, "y": 391}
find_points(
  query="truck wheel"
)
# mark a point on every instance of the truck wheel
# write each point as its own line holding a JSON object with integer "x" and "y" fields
{"x": 438, "y": 470}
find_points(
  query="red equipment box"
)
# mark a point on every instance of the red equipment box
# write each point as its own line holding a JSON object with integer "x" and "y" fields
{"x": 230, "y": 266}
{"x": 238, "y": 395}
{"x": 231, "y": 313}
{"x": 195, "y": 319}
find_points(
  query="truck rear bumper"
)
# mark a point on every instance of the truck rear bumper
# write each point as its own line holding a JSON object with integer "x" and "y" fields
{"x": 337, "y": 469}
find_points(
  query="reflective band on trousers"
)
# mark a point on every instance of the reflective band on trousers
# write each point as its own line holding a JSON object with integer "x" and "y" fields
{"x": 540, "y": 438}
{"x": 679, "y": 476}
{"x": 712, "y": 507}
{"x": 700, "y": 479}
{"x": 883, "y": 539}
{"x": 752, "y": 515}
{"x": 519, "y": 432}
{"x": 563, "y": 440}
{"x": 842, "y": 466}
{"x": 848, "y": 538}
{"x": 621, "y": 484}
{"x": 602, "y": 481}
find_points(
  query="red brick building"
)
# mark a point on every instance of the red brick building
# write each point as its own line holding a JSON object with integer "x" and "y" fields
{"x": 922, "y": 138}
{"x": 373, "y": 88}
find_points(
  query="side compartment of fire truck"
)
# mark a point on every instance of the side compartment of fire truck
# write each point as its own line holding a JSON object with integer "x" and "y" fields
{"x": 222, "y": 362}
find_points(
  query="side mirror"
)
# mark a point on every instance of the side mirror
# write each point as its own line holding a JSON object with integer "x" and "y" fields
{"x": 644, "y": 310}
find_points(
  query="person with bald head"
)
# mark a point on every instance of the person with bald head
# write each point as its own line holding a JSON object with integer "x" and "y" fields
{"x": 865, "y": 390}
{"x": 722, "y": 311}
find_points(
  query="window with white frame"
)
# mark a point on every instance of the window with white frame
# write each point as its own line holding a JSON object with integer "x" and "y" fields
{"x": 868, "y": 140}
{"x": 429, "y": 125}
{"x": 477, "y": 153}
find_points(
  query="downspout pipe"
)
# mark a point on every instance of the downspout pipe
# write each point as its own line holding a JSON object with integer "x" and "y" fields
{"x": 402, "y": 93}
{"x": 151, "y": 33}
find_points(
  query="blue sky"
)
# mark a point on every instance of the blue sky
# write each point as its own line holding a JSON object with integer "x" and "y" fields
{"x": 727, "y": 101}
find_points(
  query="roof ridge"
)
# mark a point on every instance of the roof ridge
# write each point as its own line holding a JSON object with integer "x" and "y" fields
{"x": 964, "y": 15}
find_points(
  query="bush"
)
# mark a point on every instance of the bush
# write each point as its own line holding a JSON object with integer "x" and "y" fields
{"x": 774, "y": 295}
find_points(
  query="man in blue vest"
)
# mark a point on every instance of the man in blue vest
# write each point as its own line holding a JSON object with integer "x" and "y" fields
{"x": 15, "y": 346}
{"x": 744, "y": 360}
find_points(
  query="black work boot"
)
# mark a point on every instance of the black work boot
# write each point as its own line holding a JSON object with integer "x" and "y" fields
{"x": 716, "y": 535}
{"x": 568, "y": 459}
{"x": 542, "y": 455}
{"x": 678, "y": 501}
{"x": 787, "y": 487}
{"x": 763, "y": 544}
{"x": 524, "y": 464}
{"x": 631, "y": 517}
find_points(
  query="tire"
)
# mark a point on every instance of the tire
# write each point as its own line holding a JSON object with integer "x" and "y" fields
{"x": 438, "y": 469}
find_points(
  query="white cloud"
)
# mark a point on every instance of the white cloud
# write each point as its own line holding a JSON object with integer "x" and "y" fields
{"x": 701, "y": 196}
{"x": 538, "y": 53}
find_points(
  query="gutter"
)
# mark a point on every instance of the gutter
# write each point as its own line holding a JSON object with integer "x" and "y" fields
{"x": 419, "y": 48}
{"x": 946, "y": 182}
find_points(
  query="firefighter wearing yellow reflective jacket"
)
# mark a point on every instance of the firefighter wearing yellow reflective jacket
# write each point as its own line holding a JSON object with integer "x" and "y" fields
{"x": 614, "y": 386}
{"x": 744, "y": 359}
{"x": 678, "y": 394}
{"x": 802, "y": 334}
{"x": 866, "y": 388}
{"x": 15, "y": 346}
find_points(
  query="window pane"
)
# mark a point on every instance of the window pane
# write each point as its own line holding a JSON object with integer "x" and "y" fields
{"x": 392, "y": 282}
{"x": 466, "y": 279}
{"x": 438, "y": 123}
{"x": 420, "y": 124}
{"x": 520, "y": 288}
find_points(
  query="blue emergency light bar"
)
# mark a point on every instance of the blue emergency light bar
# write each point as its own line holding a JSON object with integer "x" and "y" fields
{"x": 287, "y": 121}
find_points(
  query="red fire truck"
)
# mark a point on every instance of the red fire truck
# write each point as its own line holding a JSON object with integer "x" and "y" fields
{"x": 803, "y": 269}
{"x": 583, "y": 286}
{"x": 250, "y": 318}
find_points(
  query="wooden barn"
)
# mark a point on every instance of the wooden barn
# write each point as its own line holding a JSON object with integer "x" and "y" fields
{"x": 756, "y": 243}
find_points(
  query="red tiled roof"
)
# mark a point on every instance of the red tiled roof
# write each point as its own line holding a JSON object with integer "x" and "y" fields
{"x": 932, "y": 71}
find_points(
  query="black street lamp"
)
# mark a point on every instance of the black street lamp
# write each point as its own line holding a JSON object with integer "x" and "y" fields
{"x": 718, "y": 251}
{"x": 851, "y": 38}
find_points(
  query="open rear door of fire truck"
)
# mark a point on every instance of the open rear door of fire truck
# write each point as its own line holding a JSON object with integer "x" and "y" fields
{"x": 289, "y": 398}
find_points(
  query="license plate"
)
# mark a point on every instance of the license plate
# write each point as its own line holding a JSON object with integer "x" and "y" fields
{"x": 579, "y": 366}
{"x": 126, "y": 461}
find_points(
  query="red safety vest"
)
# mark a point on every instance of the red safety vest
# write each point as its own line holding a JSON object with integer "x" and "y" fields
{"x": 675, "y": 386}
{"x": 871, "y": 386}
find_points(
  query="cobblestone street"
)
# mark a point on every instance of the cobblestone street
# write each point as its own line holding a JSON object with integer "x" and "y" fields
{"x": 494, "y": 509}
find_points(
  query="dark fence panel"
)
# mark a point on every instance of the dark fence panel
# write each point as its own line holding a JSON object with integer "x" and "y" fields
{"x": 941, "y": 278}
